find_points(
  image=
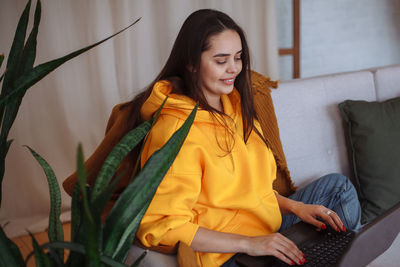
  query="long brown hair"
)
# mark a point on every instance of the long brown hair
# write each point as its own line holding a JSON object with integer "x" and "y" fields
{"x": 193, "y": 39}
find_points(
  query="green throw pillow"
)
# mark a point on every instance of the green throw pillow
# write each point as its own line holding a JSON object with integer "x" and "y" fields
{"x": 374, "y": 135}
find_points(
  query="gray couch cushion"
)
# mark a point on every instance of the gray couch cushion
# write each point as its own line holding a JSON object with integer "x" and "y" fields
{"x": 312, "y": 130}
{"x": 151, "y": 259}
{"x": 387, "y": 82}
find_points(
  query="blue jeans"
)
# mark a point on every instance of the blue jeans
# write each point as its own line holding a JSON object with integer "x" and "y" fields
{"x": 333, "y": 191}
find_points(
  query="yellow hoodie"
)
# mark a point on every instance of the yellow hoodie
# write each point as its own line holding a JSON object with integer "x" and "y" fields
{"x": 207, "y": 186}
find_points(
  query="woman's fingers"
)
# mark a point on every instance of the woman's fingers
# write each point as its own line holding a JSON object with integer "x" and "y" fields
{"x": 279, "y": 246}
{"x": 293, "y": 254}
{"x": 291, "y": 251}
{"x": 333, "y": 220}
{"x": 310, "y": 213}
{"x": 338, "y": 222}
{"x": 317, "y": 223}
{"x": 281, "y": 256}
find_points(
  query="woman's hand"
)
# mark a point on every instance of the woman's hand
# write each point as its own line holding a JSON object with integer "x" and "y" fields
{"x": 309, "y": 213}
{"x": 276, "y": 245}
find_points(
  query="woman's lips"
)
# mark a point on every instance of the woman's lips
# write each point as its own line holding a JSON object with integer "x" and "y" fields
{"x": 228, "y": 81}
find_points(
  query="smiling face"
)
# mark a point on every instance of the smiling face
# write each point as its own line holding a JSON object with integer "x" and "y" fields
{"x": 219, "y": 66}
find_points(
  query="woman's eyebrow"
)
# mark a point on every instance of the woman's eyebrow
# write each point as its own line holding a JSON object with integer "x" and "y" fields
{"x": 225, "y": 55}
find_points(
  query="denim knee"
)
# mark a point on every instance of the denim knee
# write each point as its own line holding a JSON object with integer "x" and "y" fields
{"x": 349, "y": 196}
{"x": 338, "y": 180}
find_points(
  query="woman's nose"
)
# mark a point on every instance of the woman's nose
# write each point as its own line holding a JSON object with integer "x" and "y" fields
{"x": 232, "y": 67}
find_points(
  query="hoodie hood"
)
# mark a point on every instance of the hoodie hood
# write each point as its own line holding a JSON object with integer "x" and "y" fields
{"x": 180, "y": 106}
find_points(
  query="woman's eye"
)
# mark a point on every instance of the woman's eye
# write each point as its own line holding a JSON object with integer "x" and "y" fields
{"x": 221, "y": 62}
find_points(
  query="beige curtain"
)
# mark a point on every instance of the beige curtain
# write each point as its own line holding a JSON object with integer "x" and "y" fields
{"x": 72, "y": 104}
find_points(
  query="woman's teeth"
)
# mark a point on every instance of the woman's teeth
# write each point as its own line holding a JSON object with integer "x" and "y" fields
{"x": 228, "y": 81}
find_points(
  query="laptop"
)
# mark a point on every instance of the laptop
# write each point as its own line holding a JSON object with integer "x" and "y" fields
{"x": 342, "y": 249}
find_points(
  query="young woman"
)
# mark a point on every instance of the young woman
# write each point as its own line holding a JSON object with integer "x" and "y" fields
{"x": 217, "y": 196}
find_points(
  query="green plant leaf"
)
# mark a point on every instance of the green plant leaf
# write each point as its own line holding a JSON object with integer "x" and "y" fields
{"x": 79, "y": 248}
{"x": 139, "y": 260}
{"x": 119, "y": 152}
{"x": 9, "y": 252}
{"x": 129, "y": 235}
{"x": 1, "y": 59}
{"x": 139, "y": 193}
{"x": 81, "y": 172}
{"x": 11, "y": 74}
{"x": 4, "y": 147}
{"x": 42, "y": 260}
{"x": 127, "y": 143}
{"x": 55, "y": 230}
{"x": 7, "y": 120}
{"x": 101, "y": 201}
{"x": 77, "y": 228}
{"x": 21, "y": 65}
{"x": 37, "y": 73}
{"x": 55, "y": 258}
{"x": 1, "y": 63}
{"x": 29, "y": 51}
{"x": 15, "y": 54}
{"x": 155, "y": 118}
{"x": 76, "y": 212}
{"x": 91, "y": 223}
{"x": 2, "y": 76}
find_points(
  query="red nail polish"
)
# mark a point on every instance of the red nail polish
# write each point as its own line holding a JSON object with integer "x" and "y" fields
{"x": 292, "y": 263}
{"x": 344, "y": 228}
{"x": 337, "y": 229}
{"x": 323, "y": 226}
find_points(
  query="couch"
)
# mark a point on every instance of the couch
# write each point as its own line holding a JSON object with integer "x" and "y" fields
{"x": 312, "y": 132}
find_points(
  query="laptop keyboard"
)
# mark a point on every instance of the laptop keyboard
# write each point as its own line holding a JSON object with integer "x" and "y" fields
{"x": 327, "y": 251}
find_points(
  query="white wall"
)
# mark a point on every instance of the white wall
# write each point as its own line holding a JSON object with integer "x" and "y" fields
{"x": 341, "y": 35}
